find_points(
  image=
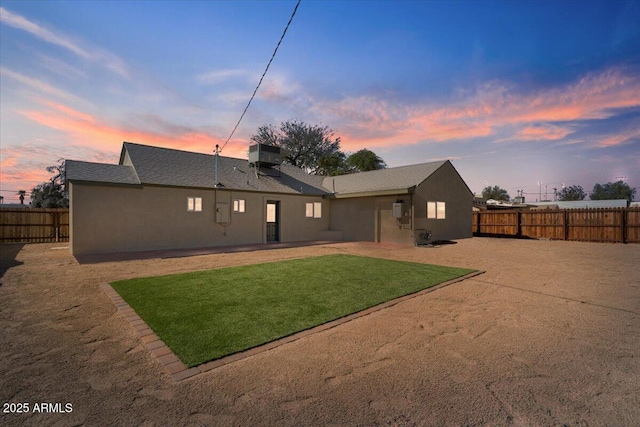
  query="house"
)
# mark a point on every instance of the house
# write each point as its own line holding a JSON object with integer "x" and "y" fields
{"x": 579, "y": 204}
{"x": 158, "y": 198}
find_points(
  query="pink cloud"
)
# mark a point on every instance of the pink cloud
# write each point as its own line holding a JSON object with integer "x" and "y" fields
{"x": 621, "y": 138}
{"x": 543, "y": 132}
{"x": 494, "y": 109}
{"x": 84, "y": 129}
{"x": 88, "y": 138}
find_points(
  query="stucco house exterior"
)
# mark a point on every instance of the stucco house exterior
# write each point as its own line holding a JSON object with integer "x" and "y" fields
{"x": 158, "y": 198}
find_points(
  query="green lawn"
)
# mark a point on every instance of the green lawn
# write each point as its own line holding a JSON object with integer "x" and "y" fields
{"x": 206, "y": 315}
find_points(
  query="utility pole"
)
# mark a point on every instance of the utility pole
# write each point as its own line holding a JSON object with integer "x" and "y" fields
{"x": 539, "y": 191}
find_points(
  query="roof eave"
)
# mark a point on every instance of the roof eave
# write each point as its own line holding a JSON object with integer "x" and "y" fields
{"x": 393, "y": 192}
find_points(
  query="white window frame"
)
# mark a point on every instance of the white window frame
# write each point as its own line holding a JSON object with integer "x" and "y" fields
{"x": 436, "y": 210}
{"x": 313, "y": 210}
{"x": 194, "y": 204}
{"x": 239, "y": 205}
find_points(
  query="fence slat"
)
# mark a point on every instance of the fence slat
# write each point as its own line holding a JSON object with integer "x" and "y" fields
{"x": 591, "y": 225}
{"x": 35, "y": 225}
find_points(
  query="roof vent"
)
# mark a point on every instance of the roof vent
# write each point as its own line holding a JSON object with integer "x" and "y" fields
{"x": 265, "y": 155}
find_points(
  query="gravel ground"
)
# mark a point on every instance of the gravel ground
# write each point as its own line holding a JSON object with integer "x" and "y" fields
{"x": 549, "y": 335}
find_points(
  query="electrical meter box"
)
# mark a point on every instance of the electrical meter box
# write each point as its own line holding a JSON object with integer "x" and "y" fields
{"x": 397, "y": 210}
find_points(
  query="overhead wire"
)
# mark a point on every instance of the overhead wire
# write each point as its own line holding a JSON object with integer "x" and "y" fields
{"x": 295, "y": 9}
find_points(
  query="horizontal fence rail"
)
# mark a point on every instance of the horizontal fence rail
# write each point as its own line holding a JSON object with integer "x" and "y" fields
{"x": 590, "y": 225}
{"x": 36, "y": 225}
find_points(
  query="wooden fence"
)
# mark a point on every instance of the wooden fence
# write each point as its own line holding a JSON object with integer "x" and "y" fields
{"x": 28, "y": 225}
{"x": 590, "y": 225}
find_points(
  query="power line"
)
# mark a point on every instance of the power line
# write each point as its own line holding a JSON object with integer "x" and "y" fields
{"x": 263, "y": 74}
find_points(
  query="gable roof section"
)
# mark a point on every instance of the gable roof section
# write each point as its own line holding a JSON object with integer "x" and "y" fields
{"x": 148, "y": 165}
{"x": 163, "y": 166}
{"x": 390, "y": 181}
{"x": 100, "y": 172}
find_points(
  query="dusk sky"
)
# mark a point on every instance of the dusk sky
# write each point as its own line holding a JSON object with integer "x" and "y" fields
{"x": 512, "y": 92}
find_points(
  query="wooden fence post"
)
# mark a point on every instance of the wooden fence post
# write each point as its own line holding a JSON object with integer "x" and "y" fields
{"x": 565, "y": 221}
{"x": 518, "y": 222}
{"x": 623, "y": 224}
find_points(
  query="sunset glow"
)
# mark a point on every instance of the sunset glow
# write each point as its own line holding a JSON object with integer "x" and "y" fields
{"x": 413, "y": 81}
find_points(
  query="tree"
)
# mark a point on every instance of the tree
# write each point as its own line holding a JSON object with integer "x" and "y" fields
{"x": 22, "y": 194}
{"x": 333, "y": 164}
{"x": 51, "y": 194}
{"x": 612, "y": 191}
{"x": 365, "y": 160}
{"x": 574, "y": 192}
{"x": 310, "y": 147}
{"x": 495, "y": 193}
{"x": 267, "y": 134}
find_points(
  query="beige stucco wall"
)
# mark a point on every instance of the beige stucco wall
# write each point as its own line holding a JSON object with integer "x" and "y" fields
{"x": 354, "y": 218}
{"x": 445, "y": 185}
{"x": 370, "y": 219}
{"x": 106, "y": 219}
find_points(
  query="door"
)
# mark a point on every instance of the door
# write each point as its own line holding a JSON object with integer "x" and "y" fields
{"x": 273, "y": 221}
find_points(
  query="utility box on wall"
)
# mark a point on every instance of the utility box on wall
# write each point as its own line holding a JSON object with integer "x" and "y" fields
{"x": 222, "y": 213}
{"x": 397, "y": 210}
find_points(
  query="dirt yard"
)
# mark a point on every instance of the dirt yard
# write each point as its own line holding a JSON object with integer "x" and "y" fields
{"x": 549, "y": 335}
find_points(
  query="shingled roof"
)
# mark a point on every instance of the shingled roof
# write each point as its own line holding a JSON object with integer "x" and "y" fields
{"x": 398, "y": 179}
{"x": 147, "y": 165}
{"x": 101, "y": 172}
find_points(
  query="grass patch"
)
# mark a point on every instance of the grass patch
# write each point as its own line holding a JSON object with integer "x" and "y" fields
{"x": 206, "y": 315}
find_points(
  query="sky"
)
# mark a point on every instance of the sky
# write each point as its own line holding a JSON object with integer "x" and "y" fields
{"x": 524, "y": 95}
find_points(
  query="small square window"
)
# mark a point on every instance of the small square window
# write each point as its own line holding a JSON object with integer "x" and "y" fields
{"x": 313, "y": 210}
{"x": 436, "y": 210}
{"x": 239, "y": 205}
{"x": 194, "y": 204}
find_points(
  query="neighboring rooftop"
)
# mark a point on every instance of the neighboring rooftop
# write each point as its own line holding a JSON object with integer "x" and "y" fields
{"x": 578, "y": 204}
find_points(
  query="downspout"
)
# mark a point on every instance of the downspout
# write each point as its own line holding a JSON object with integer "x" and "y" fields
{"x": 413, "y": 215}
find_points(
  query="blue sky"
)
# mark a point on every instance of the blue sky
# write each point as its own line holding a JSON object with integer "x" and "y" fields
{"x": 514, "y": 93}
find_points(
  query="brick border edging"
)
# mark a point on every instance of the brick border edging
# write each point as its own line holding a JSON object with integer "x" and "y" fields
{"x": 178, "y": 371}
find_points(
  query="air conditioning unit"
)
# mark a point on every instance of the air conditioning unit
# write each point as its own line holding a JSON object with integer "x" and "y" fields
{"x": 265, "y": 155}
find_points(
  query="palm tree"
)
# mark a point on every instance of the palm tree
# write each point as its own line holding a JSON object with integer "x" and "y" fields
{"x": 22, "y": 194}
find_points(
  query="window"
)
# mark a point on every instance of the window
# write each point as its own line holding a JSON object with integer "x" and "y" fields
{"x": 431, "y": 210}
{"x": 238, "y": 205}
{"x": 271, "y": 212}
{"x": 436, "y": 210}
{"x": 313, "y": 210}
{"x": 194, "y": 204}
